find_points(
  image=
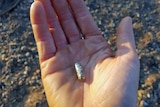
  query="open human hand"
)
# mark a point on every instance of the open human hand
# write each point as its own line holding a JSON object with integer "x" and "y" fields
{"x": 110, "y": 80}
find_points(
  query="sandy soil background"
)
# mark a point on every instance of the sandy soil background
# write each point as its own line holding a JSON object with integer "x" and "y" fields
{"x": 20, "y": 79}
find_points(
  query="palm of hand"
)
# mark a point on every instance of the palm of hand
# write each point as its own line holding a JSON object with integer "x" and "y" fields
{"x": 111, "y": 81}
{"x": 103, "y": 78}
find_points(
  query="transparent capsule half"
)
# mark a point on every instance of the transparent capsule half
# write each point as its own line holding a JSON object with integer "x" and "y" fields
{"x": 79, "y": 71}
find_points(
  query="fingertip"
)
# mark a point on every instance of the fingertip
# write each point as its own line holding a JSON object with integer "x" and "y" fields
{"x": 125, "y": 25}
{"x": 127, "y": 18}
{"x": 125, "y": 36}
{"x": 37, "y": 12}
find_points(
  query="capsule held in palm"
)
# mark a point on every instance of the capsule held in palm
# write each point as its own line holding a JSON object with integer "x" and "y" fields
{"x": 79, "y": 71}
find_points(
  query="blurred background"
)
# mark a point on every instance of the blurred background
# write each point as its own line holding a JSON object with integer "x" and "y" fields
{"x": 20, "y": 79}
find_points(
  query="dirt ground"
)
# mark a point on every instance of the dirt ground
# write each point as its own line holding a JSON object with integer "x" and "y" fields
{"x": 20, "y": 79}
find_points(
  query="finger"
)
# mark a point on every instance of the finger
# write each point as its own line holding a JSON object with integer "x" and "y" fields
{"x": 66, "y": 19}
{"x": 125, "y": 37}
{"x": 83, "y": 18}
{"x": 43, "y": 37}
{"x": 54, "y": 25}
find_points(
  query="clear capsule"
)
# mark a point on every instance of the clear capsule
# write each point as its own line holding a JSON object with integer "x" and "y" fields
{"x": 79, "y": 71}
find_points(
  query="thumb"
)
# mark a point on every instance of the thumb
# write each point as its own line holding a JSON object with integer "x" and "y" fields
{"x": 125, "y": 38}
